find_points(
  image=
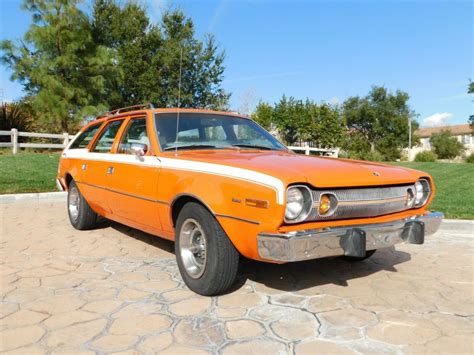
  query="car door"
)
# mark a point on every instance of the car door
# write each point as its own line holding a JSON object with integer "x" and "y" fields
{"x": 134, "y": 179}
{"x": 96, "y": 169}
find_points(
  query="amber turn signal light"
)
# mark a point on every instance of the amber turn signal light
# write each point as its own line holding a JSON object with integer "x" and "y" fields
{"x": 324, "y": 204}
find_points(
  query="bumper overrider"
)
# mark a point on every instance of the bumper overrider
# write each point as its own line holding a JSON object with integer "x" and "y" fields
{"x": 348, "y": 240}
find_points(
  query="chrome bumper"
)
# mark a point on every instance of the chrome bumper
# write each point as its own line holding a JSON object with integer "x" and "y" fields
{"x": 349, "y": 240}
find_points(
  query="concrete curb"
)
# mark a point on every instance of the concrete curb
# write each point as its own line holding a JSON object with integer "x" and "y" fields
{"x": 33, "y": 197}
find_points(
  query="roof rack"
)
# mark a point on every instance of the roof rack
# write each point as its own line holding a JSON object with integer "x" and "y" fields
{"x": 126, "y": 109}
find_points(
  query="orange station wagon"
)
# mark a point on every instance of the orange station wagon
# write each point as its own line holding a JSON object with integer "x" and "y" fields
{"x": 222, "y": 187}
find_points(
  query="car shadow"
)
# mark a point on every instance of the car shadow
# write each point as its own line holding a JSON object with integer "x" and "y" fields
{"x": 153, "y": 240}
{"x": 306, "y": 274}
{"x": 291, "y": 276}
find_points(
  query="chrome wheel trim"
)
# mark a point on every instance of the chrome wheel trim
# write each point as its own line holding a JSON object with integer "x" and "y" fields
{"x": 74, "y": 203}
{"x": 193, "y": 248}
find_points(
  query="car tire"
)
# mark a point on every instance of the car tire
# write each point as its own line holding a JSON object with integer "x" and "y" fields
{"x": 207, "y": 259}
{"x": 368, "y": 254}
{"x": 81, "y": 215}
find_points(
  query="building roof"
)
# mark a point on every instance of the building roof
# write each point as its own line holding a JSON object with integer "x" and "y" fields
{"x": 456, "y": 130}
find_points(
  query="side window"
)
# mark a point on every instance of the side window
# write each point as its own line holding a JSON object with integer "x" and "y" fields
{"x": 85, "y": 137}
{"x": 107, "y": 136}
{"x": 134, "y": 134}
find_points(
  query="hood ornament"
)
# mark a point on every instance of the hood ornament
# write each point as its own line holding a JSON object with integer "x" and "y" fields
{"x": 375, "y": 173}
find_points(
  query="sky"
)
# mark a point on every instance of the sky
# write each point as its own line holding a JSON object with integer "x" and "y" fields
{"x": 324, "y": 50}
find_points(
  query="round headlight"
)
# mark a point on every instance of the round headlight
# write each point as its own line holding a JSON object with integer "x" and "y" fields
{"x": 422, "y": 192}
{"x": 298, "y": 203}
{"x": 294, "y": 203}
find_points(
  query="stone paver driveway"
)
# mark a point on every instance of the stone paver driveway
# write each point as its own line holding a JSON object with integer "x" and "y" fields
{"x": 118, "y": 290}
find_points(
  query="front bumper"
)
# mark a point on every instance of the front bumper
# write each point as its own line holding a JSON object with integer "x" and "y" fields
{"x": 349, "y": 241}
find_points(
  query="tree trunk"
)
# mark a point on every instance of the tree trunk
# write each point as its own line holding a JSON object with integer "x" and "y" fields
{"x": 64, "y": 125}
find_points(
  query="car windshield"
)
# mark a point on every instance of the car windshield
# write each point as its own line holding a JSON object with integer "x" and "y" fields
{"x": 212, "y": 131}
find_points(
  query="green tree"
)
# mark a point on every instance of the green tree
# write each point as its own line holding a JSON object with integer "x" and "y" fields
{"x": 59, "y": 64}
{"x": 382, "y": 118}
{"x": 147, "y": 57}
{"x": 445, "y": 145}
{"x": 263, "y": 115}
{"x": 302, "y": 120}
{"x": 322, "y": 124}
{"x": 288, "y": 117}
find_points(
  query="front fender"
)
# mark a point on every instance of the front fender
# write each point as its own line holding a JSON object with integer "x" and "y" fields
{"x": 226, "y": 198}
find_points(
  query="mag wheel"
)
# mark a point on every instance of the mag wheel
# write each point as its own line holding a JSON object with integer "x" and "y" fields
{"x": 207, "y": 260}
{"x": 82, "y": 217}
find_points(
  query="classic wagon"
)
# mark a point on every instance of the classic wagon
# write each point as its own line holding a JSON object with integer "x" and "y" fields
{"x": 222, "y": 187}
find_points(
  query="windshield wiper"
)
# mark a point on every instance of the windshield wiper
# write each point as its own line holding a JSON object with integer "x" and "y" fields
{"x": 262, "y": 147}
{"x": 191, "y": 146}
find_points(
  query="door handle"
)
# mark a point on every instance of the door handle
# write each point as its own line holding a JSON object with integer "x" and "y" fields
{"x": 110, "y": 170}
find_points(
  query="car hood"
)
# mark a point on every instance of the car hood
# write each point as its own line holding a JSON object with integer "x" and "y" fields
{"x": 316, "y": 171}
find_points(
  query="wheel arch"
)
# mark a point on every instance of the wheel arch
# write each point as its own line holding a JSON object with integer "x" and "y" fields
{"x": 180, "y": 201}
{"x": 68, "y": 178}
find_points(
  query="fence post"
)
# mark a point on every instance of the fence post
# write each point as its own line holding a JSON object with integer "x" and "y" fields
{"x": 66, "y": 139}
{"x": 14, "y": 140}
{"x": 306, "y": 151}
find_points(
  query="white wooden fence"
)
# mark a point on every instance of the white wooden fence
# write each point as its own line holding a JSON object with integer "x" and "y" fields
{"x": 333, "y": 152}
{"x": 14, "y": 144}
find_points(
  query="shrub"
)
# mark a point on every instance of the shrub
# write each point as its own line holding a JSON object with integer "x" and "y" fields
{"x": 470, "y": 159}
{"x": 369, "y": 156}
{"x": 445, "y": 145}
{"x": 426, "y": 156}
{"x": 388, "y": 149}
{"x": 16, "y": 115}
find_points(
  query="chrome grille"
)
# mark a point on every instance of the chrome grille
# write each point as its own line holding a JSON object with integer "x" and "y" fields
{"x": 363, "y": 202}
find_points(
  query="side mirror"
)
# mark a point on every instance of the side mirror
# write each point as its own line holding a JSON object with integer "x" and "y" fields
{"x": 139, "y": 150}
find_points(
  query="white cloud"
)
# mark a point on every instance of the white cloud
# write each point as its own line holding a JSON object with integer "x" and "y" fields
{"x": 438, "y": 119}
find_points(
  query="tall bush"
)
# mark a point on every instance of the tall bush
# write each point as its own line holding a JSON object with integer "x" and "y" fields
{"x": 426, "y": 156}
{"x": 17, "y": 115}
{"x": 445, "y": 145}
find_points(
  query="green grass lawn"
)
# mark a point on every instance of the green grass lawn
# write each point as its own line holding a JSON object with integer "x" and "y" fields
{"x": 454, "y": 187}
{"x": 28, "y": 172}
{"x": 36, "y": 172}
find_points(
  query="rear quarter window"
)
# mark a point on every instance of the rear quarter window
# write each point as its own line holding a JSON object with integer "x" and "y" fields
{"x": 84, "y": 138}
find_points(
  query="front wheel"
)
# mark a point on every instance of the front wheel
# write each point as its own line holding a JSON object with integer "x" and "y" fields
{"x": 207, "y": 259}
{"x": 81, "y": 215}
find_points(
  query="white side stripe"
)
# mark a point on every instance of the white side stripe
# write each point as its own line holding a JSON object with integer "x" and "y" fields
{"x": 187, "y": 165}
{"x": 227, "y": 171}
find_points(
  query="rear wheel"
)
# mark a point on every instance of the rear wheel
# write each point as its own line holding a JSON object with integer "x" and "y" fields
{"x": 82, "y": 217}
{"x": 207, "y": 259}
{"x": 368, "y": 254}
